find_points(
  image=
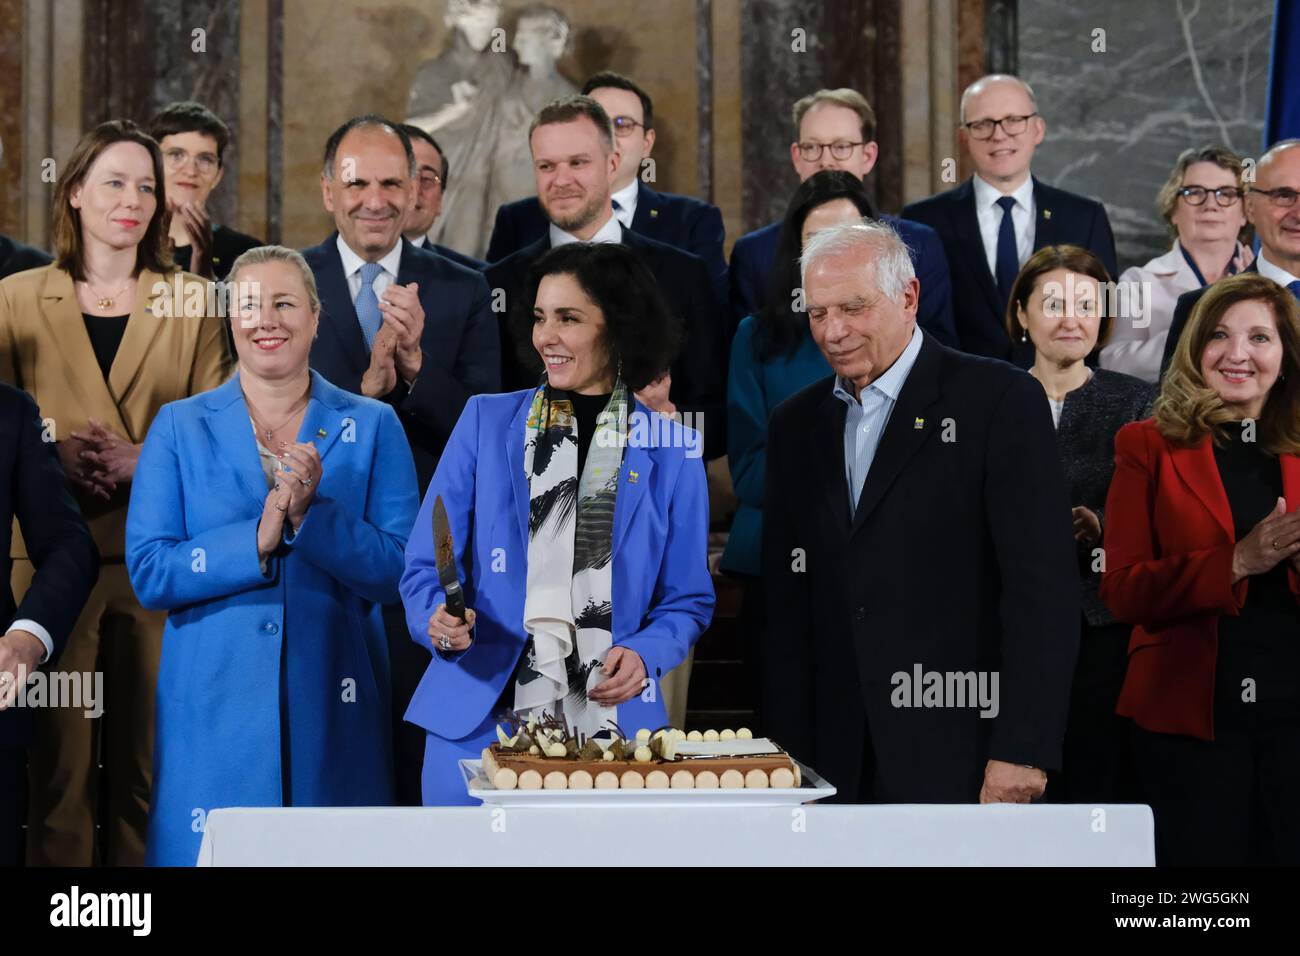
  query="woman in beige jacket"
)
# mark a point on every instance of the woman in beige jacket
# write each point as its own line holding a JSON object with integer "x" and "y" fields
{"x": 102, "y": 339}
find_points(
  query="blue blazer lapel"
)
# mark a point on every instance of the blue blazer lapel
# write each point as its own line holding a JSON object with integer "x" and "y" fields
{"x": 232, "y": 436}
{"x": 326, "y": 417}
{"x": 634, "y": 478}
{"x": 515, "y": 462}
{"x": 966, "y": 225}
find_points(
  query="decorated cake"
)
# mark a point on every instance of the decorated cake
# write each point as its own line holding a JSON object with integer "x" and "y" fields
{"x": 546, "y": 755}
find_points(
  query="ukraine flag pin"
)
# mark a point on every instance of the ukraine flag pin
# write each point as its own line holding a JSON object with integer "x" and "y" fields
{"x": 918, "y": 424}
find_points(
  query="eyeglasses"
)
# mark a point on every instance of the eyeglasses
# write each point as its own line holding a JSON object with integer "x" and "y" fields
{"x": 1011, "y": 125}
{"x": 429, "y": 180}
{"x": 1282, "y": 197}
{"x": 1224, "y": 195}
{"x": 176, "y": 158}
{"x": 625, "y": 125}
{"x": 811, "y": 152}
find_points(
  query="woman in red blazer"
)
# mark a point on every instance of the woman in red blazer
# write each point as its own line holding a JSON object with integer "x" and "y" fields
{"x": 1202, "y": 548}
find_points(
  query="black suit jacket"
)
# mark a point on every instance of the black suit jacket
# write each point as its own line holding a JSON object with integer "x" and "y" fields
{"x": 33, "y": 489}
{"x": 461, "y": 351}
{"x": 700, "y": 371}
{"x": 227, "y": 246}
{"x": 959, "y": 558}
{"x": 979, "y": 310}
{"x": 469, "y": 262}
{"x": 16, "y": 257}
{"x": 680, "y": 221}
{"x": 1182, "y": 312}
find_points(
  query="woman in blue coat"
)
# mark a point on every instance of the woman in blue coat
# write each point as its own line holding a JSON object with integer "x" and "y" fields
{"x": 773, "y": 356}
{"x": 269, "y": 517}
{"x": 580, "y": 524}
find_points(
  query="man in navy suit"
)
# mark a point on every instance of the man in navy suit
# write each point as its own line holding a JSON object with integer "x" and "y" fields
{"x": 835, "y": 129}
{"x": 994, "y": 221}
{"x": 435, "y": 342}
{"x": 33, "y": 489}
{"x": 432, "y": 171}
{"x": 572, "y": 143}
{"x": 402, "y": 325}
{"x": 680, "y": 221}
{"x": 16, "y": 257}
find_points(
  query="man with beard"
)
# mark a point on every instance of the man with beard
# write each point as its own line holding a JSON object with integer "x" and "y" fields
{"x": 401, "y": 325}
{"x": 575, "y": 162}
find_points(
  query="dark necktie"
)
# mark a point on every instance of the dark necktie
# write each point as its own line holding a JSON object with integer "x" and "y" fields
{"x": 1295, "y": 288}
{"x": 1008, "y": 260}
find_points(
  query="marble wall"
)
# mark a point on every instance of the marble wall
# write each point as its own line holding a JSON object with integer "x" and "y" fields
{"x": 1175, "y": 73}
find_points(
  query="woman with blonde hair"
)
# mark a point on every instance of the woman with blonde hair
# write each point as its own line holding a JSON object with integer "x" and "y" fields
{"x": 292, "y": 500}
{"x": 102, "y": 339}
{"x": 1202, "y": 556}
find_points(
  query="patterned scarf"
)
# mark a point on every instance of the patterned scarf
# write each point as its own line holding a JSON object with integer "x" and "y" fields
{"x": 568, "y": 607}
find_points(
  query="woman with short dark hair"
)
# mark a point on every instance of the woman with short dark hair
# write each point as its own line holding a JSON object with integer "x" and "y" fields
{"x": 580, "y": 523}
{"x": 1203, "y": 556}
{"x": 1058, "y": 304}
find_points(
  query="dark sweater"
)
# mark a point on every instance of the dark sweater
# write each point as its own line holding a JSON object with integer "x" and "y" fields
{"x": 1085, "y": 439}
{"x": 1259, "y": 643}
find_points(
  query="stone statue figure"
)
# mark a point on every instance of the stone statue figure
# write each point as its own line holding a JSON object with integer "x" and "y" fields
{"x": 479, "y": 104}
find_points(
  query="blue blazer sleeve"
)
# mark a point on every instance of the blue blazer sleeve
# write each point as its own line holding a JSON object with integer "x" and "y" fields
{"x": 746, "y": 418}
{"x": 934, "y": 311}
{"x": 420, "y": 588}
{"x": 168, "y": 568}
{"x": 682, "y": 603}
{"x": 364, "y": 553}
{"x": 437, "y": 397}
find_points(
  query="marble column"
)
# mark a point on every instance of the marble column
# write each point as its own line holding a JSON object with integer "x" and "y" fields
{"x": 790, "y": 48}
{"x": 1124, "y": 87}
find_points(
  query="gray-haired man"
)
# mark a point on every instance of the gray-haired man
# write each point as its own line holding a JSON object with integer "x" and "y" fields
{"x": 923, "y": 601}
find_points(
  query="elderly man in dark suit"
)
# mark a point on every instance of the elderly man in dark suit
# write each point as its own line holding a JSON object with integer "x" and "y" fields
{"x": 34, "y": 490}
{"x": 992, "y": 223}
{"x": 402, "y": 325}
{"x": 1273, "y": 208}
{"x": 682, "y": 222}
{"x": 923, "y": 602}
{"x": 572, "y": 143}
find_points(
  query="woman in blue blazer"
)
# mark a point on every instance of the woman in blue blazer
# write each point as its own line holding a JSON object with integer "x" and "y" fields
{"x": 580, "y": 523}
{"x": 268, "y": 517}
{"x": 773, "y": 356}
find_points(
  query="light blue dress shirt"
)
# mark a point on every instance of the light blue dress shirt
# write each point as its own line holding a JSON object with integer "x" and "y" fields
{"x": 868, "y": 416}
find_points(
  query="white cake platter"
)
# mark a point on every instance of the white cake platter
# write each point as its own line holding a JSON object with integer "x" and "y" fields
{"x": 478, "y": 786}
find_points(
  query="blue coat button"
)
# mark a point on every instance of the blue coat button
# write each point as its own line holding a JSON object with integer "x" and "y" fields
{"x": 271, "y": 627}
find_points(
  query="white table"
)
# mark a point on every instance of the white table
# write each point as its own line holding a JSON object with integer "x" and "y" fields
{"x": 812, "y": 835}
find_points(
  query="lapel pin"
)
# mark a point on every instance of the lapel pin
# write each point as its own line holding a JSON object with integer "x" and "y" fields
{"x": 654, "y": 213}
{"x": 320, "y": 433}
{"x": 1047, "y": 214}
{"x": 632, "y": 476}
{"x": 918, "y": 424}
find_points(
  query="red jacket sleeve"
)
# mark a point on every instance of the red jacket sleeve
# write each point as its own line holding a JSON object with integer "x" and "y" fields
{"x": 1141, "y": 582}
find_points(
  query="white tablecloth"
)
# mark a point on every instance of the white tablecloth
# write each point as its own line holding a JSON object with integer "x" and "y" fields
{"x": 812, "y": 835}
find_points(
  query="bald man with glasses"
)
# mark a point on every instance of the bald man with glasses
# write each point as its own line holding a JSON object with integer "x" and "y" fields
{"x": 994, "y": 221}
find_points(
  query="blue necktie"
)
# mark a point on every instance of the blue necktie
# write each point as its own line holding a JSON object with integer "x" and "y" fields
{"x": 367, "y": 303}
{"x": 1295, "y": 289}
{"x": 1008, "y": 261}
